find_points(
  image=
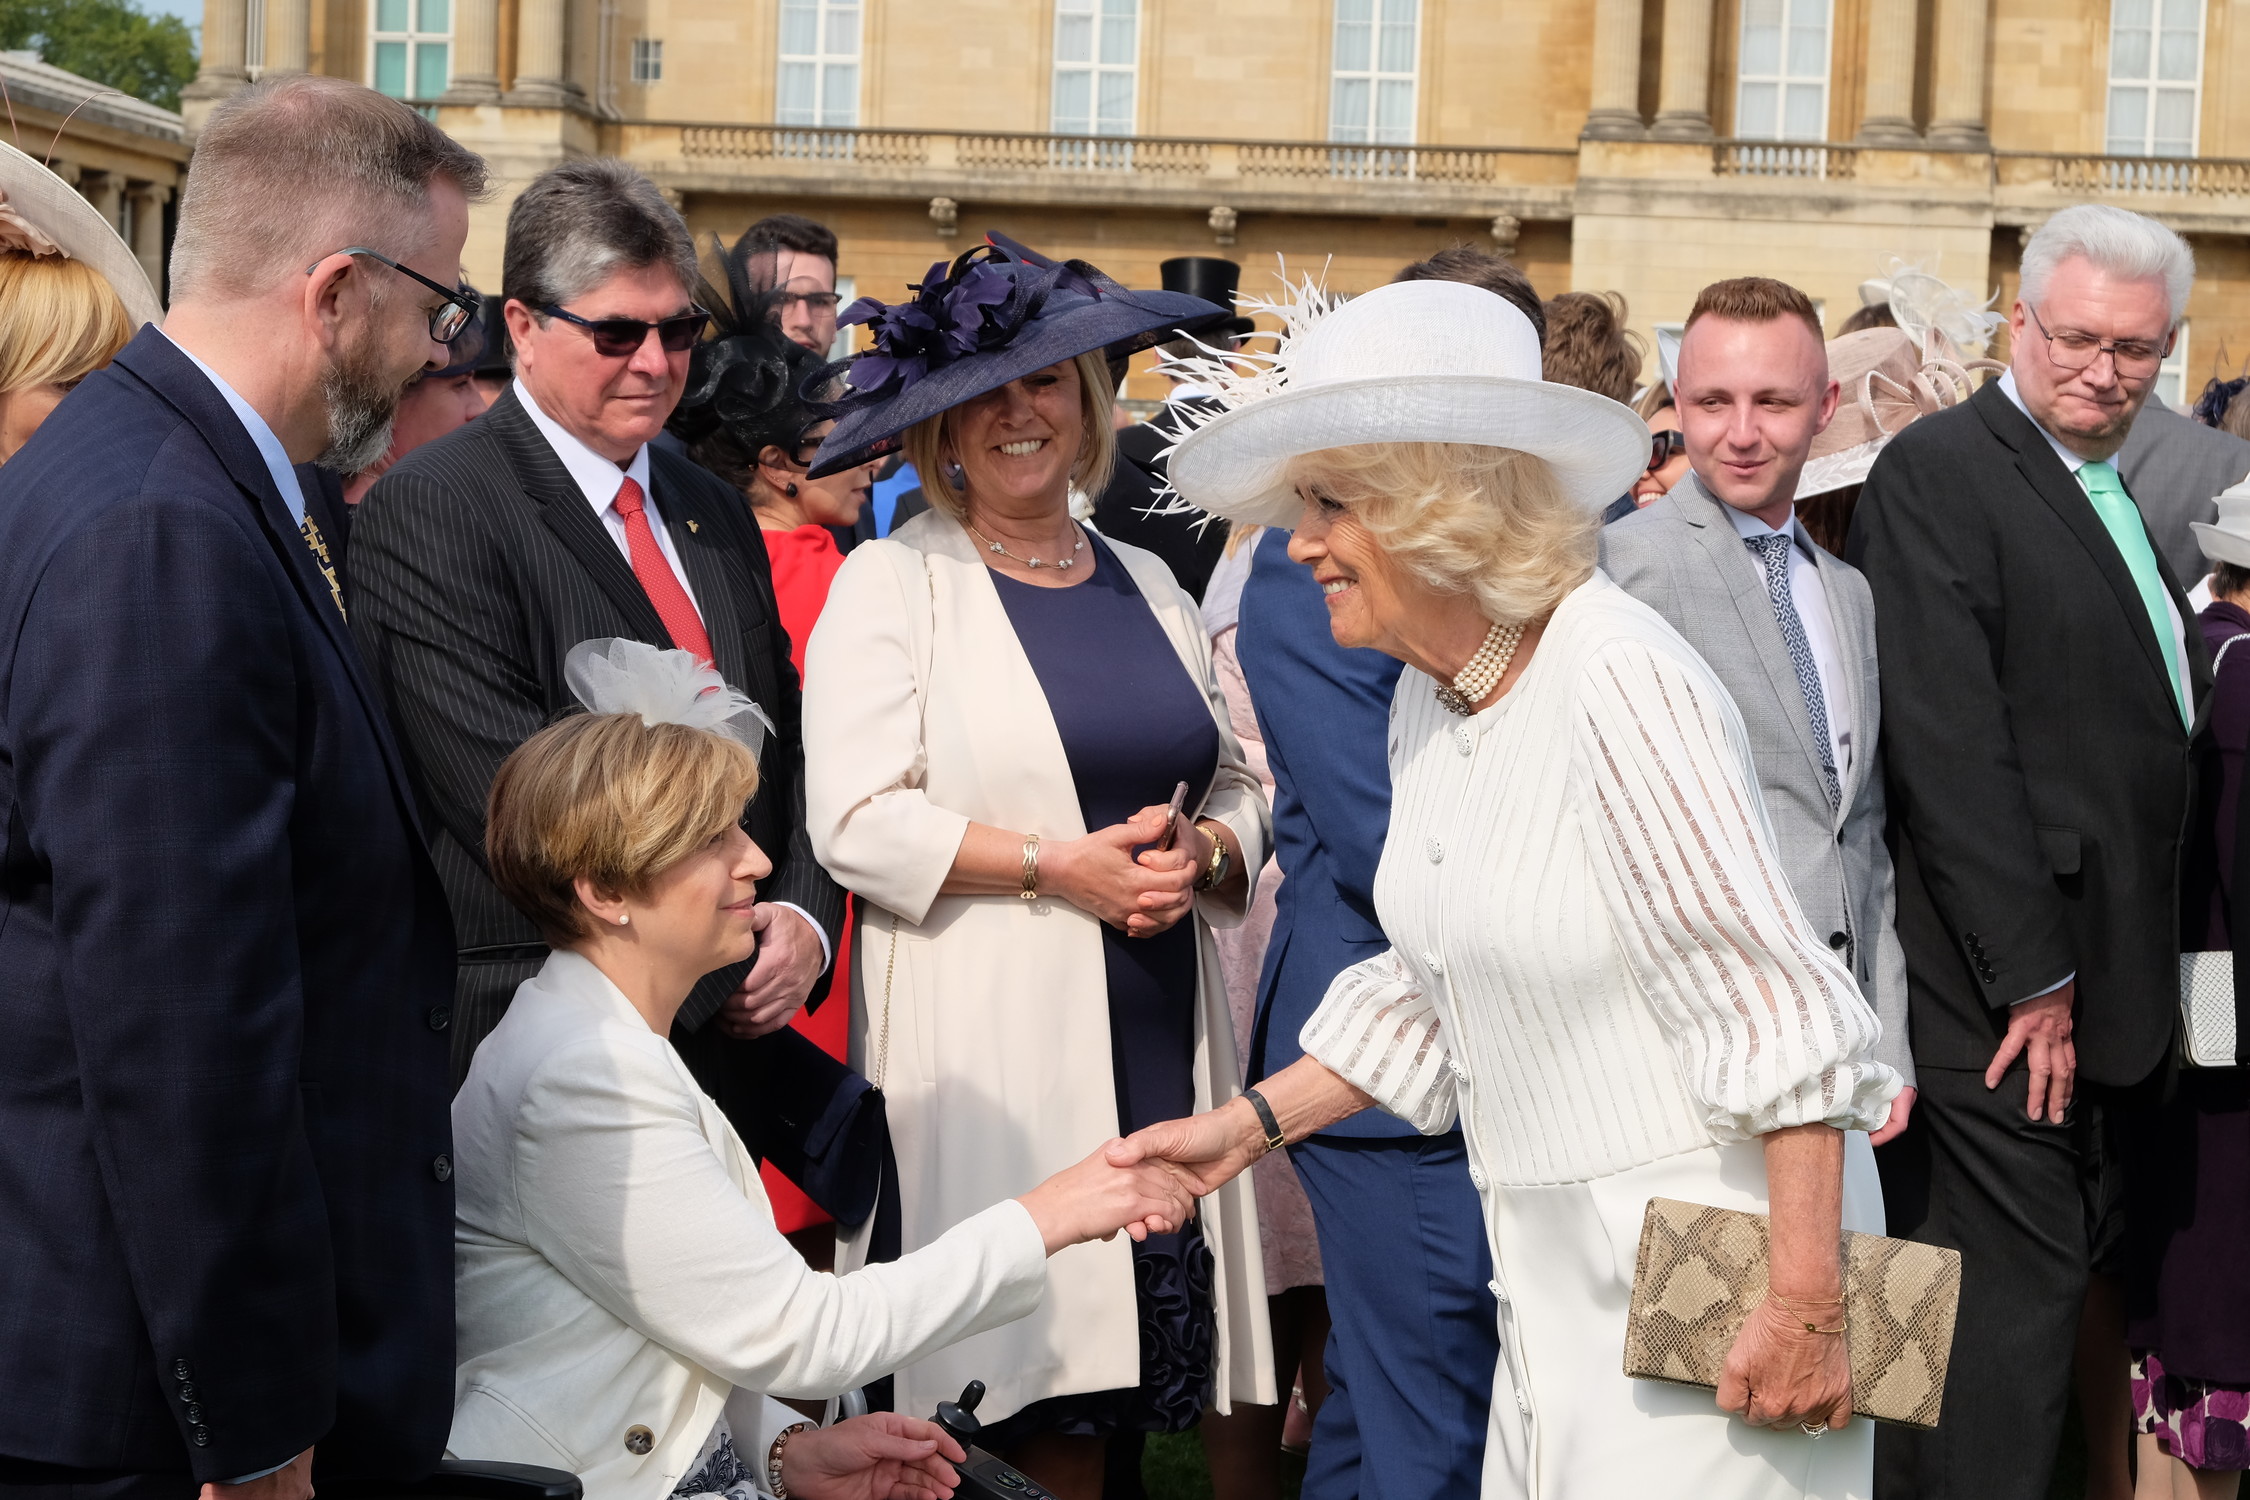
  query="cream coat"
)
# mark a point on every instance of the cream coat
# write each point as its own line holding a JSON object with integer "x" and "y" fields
{"x": 618, "y": 1267}
{"x": 922, "y": 714}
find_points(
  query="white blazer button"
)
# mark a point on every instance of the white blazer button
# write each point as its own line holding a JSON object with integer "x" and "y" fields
{"x": 1495, "y": 1288}
{"x": 1433, "y": 963}
{"x": 1464, "y": 741}
{"x": 1435, "y": 850}
{"x": 1523, "y": 1401}
{"x": 1476, "y": 1178}
{"x": 639, "y": 1440}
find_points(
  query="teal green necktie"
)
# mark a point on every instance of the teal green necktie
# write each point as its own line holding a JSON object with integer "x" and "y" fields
{"x": 2123, "y": 519}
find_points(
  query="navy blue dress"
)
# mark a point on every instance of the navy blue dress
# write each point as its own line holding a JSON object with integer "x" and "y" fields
{"x": 1134, "y": 724}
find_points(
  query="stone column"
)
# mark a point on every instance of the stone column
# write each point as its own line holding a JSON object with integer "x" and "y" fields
{"x": 1614, "y": 109}
{"x": 288, "y": 36}
{"x": 476, "y": 53}
{"x": 225, "y": 24}
{"x": 541, "y": 29}
{"x": 1888, "y": 119}
{"x": 1683, "y": 105}
{"x": 101, "y": 190}
{"x": 1957, "y": 92}
{"x": 148, "y": 229}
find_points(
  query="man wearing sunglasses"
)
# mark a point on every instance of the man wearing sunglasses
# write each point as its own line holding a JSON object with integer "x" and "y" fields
{"x": 481, "y": 558}
{"x": 2041, "y": 674}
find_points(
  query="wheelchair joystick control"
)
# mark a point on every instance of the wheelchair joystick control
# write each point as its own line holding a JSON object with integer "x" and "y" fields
{"x": 983, "y": 1477}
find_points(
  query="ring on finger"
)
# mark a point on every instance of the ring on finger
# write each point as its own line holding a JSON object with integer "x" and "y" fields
{"x": 1813, "y": 1429}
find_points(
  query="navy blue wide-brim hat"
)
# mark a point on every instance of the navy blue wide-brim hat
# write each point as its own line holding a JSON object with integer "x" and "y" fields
{"x": 996, "y": 314}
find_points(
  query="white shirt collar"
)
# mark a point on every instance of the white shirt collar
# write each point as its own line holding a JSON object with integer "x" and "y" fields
{"x": 269, "y": 446}
{"x": 598, "y": 478}
{"x": 1750, "y": 528}
{"x": 2071, "y": 461}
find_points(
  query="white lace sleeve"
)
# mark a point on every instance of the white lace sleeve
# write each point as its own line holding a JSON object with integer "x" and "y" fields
{"x": 1769, "y": 1028}
{"x": 1378, "y": 1031}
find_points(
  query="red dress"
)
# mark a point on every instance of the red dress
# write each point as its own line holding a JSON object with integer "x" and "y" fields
{"x": 805, "y": 561}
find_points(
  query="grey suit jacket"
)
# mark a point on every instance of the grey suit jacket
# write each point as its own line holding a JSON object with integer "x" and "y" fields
{"x": 2174, "y": 467}
{"x": 1682, "y": 557}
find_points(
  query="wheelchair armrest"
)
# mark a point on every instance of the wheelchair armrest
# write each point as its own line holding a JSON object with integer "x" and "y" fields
{"x": 489, "y": 1479}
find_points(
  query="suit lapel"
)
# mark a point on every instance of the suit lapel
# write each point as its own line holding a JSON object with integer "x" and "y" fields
{"x": 1746, "y": 586}
{"x": 2059, "y": 488}
{"x": 564, "y": 511}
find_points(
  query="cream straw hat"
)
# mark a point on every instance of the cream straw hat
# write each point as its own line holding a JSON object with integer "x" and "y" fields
{"x": 40, "y": 214}
{"x": 2227, "y": 540}
{"x": 1411, "y": 362}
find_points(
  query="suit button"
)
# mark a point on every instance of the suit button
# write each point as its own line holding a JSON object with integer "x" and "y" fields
{"x": 187, "y": 1390}
{"x": 441, "y": 1016}
{"x": 1836, "y": 940}
{"x": 195, "y": 1411}
{"x": 180, "y": 1369}
{"x": 442, "y": 1169}
{"x": 639, "y": 1440}
{"x": 201, "y": 1435}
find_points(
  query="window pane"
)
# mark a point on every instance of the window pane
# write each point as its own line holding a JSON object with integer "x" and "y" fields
{"x": 1757, "y": 111}
{"x": 2176, "y": 60}
{"x": 2183, "y": 15}
{"x": 1117, "y": 40}
{"x": 1347, "y": 110}
{"x": 794, "y": 102}
{"x": 1402, "y": 12}
{"x": 1808, "y": 45}
{"x": 1074, "y": 101}
{"x": 390, "y": 15}
{"x": 1074, "y": 39}
{"x": 1354, "y": 12}
{"x": 1761, "y": 37}
{"x": 1354, "y": 47}
{"x": 1116, "y": 96}
{"x": 843, "y": 31}
{"x": 2133, "y": 14}
{"x": 2128, "y": 54}
{"x": 839, "y": 95}
{"x": 2128, "y": 121}
{"x": 1394, "y": 111}
{"x": 2174, "y": 130}
{"x": 1397, "y": 52}
{"x": 1074, "y": 7}
{"x": 390, "y": 69}
{"x": 800, "y": 30}
{"x": 429, "y": 69}
{"x": 1806, "y": 117}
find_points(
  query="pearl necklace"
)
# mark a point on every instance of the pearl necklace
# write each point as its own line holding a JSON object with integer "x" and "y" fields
{"x": 1484, "y": 671}
{"x": 1031, "y": 562}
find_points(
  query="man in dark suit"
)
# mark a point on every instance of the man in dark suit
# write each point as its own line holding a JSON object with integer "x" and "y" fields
{"x": 482, "y": 558}
{"x": 226, "y": 1230}
{"x": 2040, "y": 677}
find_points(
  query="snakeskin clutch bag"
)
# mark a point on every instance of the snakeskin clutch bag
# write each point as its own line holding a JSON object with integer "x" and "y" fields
{"x": 1701, "y": 1270}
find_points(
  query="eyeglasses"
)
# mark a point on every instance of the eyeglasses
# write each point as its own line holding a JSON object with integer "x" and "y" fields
{"x": 617, "y": 338}
{"x": 448, "y": 319}
{"x": 810, "y": 301}
{"x": 1663, "y": 447}
{"x": 2133, "y": 359}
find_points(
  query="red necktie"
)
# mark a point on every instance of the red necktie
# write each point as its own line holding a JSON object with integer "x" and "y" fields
{"x": 658, "y": 581}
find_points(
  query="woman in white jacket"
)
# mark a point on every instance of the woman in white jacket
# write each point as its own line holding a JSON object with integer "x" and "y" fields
{"x": 625, "y": 1305}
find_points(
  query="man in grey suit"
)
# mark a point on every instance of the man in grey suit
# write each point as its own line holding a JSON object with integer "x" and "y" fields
{"x": 1789, "y": 628}
{"x": 2174, "y": 467}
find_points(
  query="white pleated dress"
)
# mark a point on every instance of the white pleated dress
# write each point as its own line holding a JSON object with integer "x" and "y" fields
{"x": 1600, "y": 972}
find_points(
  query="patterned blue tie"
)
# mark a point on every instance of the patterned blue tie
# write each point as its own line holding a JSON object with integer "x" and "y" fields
{"x": 1772, "y": 550}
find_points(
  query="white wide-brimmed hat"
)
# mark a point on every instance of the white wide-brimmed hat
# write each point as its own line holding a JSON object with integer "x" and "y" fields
{"x": 40, "y": 214}
{"x": 2228, "y": 539}
{"x": 1411, "y": 362}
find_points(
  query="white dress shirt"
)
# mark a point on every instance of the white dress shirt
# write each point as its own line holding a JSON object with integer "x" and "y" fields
{"x": 599, "y": 479}
{"x": 268, "y": 445}
{"x": 1810, "y": 596}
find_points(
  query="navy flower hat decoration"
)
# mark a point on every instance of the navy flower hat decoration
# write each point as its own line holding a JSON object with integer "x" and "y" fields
{"x": 994, "y": 314}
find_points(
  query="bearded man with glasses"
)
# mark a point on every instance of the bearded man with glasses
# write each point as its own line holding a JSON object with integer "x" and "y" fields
{"x": 481, "y": 558}
{"x": 2041, "y": 684}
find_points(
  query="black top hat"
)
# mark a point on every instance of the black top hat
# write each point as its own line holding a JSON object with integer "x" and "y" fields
{"x": 1212, "y": 279}
{"x": 994, "y": 315}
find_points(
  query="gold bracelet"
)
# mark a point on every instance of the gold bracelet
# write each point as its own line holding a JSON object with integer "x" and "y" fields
{"x": 1215, "y": 869}
{"x": 1796, "y": 1310}
{"x": 1030, "y": 891}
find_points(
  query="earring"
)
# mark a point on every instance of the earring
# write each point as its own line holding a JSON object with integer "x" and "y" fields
{"x": 790, "y": 489}
{"x": 622, "y": 919}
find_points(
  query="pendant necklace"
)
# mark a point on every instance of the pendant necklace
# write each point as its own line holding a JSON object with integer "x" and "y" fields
{"x": 1035, "y": 562}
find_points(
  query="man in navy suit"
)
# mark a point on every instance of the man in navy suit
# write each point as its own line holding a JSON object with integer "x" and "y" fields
{"x": 225, "y": 960}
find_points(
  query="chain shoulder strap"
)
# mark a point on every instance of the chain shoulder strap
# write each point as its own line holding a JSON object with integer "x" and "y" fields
{"x": 883, "y": 1035}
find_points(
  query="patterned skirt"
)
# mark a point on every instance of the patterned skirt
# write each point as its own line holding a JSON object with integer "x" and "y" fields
{"x": 2201, "y": 1423}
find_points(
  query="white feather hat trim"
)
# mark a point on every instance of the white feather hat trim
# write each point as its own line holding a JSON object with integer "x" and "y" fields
{"x": 1411, "y": 362}
{"x": 36, "y": 200}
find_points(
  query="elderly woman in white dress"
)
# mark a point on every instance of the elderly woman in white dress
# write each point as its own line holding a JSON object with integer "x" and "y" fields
{"x": 625, "y": 1306}
{"x": 1596, "y": 968}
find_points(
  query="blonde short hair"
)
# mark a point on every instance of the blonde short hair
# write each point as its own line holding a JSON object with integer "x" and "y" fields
{"x": 60, "y": 321}
{"x": 611, "y": 800}
{"x": 1491, "y": 522}
{"x": 1097, "y": 449}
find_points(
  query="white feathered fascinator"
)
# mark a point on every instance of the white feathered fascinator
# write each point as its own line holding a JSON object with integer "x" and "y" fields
{"x": 617, "y": 676}
{"x": 1931, "y": 309}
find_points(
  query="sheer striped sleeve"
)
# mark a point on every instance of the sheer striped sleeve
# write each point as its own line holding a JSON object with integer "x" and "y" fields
{"x": 1769, "y": 1028}
{"x": 1377, "y": 1030}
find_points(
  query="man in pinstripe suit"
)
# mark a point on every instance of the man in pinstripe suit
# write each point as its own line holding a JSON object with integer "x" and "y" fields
{"x": 482, "y": 558}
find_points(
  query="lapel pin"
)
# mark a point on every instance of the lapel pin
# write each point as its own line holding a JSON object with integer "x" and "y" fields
{"x": 691, "y": 526}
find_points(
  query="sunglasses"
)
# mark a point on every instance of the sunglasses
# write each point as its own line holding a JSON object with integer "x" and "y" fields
{"x": 448, "y": 319}
{"x": 617, "y": 338}
{"x": 1663, "y": 447}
